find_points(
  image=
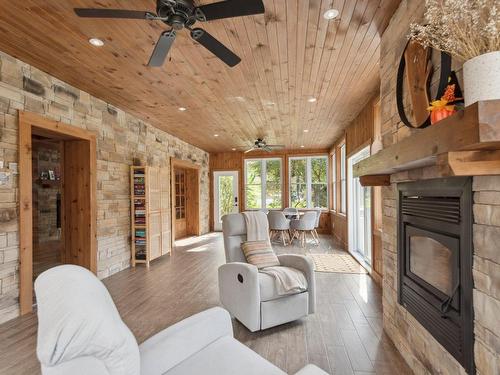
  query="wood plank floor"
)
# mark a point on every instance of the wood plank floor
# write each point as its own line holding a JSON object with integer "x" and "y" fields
{"x": 344, "y": 336}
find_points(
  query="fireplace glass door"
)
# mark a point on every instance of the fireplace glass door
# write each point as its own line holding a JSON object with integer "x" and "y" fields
{"x": 425, "y": 251}
{"x": 432, "y": 258}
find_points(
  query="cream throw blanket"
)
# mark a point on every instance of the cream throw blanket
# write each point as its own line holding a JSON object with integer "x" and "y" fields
{"x": 257, "y": 226}
{"x": 288, "y": 280}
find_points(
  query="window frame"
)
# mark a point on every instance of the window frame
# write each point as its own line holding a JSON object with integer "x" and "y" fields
{"x": 334, "y": 181}
{"x": 308, "y": 159}
{"x": 343, "y": 179}
{"x": 263, "y": 175}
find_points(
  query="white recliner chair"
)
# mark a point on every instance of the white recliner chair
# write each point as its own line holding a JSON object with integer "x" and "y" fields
{"x": 81, "y": 333}
{"x": 251, "y": 296}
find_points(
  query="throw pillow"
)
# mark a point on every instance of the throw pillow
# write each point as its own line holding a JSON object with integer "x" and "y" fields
{"x": 260, "y": 254}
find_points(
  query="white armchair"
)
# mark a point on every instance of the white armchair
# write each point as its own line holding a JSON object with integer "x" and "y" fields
{"x": 81, "y": 333}
{"x": 251, "y": 296}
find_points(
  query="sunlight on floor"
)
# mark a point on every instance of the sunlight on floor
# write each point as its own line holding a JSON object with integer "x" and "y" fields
{"x": 363, "y": 289}
{"x": 199, "y": 249}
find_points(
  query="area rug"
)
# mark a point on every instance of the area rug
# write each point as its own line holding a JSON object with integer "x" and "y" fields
{"x": 338, "y": 261}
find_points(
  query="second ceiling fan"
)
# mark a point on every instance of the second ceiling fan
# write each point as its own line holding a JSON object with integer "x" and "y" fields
{"x": 183, "y": 14}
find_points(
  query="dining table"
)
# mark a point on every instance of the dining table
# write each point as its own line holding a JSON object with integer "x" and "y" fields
{"x": 295, "y": 216}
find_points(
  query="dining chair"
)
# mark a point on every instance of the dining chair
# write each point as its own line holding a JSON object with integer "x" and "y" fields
{"x": 304, "y": 225}
{"x": 279, "y": 224}
{"x": 316, "y": 224}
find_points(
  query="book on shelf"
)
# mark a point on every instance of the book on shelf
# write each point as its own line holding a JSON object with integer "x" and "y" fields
{"x": 140, "y": 233}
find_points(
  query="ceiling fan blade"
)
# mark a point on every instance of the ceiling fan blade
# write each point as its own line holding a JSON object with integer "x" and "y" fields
{"x": 113, "y": 13}
{"x": 162, "y": 47}
{"x": 275, "y": 147}
{"x": 214, "y": 46}
{"x": 247, "y": 151}
{"x": 229, "y": 8}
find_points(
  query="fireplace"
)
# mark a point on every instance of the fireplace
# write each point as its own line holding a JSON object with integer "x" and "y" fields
{"x": 435, "y": 261}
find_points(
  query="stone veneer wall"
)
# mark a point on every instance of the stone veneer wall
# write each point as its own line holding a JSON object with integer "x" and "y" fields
{"x": 422, "y": 352}
{"x": 120, "y": 138}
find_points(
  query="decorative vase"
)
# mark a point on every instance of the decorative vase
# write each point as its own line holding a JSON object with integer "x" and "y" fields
{"x": 482, "y": 78}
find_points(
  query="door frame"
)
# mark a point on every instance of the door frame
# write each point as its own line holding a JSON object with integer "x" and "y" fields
{"x": 351, "y": 218}
{"x": 30, "y": 123}
{"x": 234, "y": 172}
{"x": 174, "y": 162}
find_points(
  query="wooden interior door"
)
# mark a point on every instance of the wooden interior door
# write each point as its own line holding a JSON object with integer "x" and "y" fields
{"x": 78, "y": 221}
{"x": 192, "y": 202}
{"x": 180, "y": 203}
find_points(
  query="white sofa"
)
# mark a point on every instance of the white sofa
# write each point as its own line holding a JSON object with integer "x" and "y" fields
{"x": 81, "y": 333}
{"x": 251, "y": 296}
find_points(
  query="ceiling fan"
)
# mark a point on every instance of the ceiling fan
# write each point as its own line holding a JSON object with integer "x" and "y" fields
{"x": 183, "y": 14}
{"x": 260, "y": 144}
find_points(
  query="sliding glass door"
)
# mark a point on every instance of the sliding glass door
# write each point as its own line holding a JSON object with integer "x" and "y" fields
{"x": 359, "y": 211}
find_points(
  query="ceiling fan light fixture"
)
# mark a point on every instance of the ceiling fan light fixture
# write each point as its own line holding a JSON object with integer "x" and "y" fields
{"x": 96, "y": 42}
{"x": 331, "y": 14}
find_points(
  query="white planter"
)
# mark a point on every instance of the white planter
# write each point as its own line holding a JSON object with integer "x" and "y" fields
{"x": 482, "y": 78}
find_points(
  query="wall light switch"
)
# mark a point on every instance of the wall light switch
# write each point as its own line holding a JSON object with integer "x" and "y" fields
{"x": 1, "y": 164}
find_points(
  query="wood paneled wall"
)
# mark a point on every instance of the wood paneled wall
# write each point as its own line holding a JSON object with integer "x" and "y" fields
{"x": 338, "y": 218}
{"x": 234, "y": 161}
{"x": 360, "y": 133}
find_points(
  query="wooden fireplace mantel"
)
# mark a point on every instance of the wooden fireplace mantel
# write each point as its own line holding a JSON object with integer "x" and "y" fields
{"x": 465, "y": 144}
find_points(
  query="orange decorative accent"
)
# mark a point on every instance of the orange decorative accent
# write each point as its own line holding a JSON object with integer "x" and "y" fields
{"x": 440, "y": 114}
{"x": 440, "y": 109}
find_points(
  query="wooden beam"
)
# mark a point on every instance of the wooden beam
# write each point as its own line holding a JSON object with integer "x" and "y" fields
{"x": 475, "y": 128}
{"x": 375, "y": 180}
{"x": 469, "y": 163}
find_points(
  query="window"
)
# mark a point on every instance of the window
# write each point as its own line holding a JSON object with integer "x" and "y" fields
{"x": 334, "y": 181}
{"x": 309, "y": 182}
{"x": 343, "y": 200}
{"x": 359, "y": 217}
{"x": 263, "y": 183}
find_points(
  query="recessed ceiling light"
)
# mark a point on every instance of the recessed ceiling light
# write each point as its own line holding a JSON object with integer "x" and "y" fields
{"x": 312, "y": 100}
{"x": 182, "y": 109}
{"x": 306, "y": 130}
{"x": 216, "y": 135}
{"x": 96, "y": 42}
{"x": 302, "y": 146}
{"x": 331, "y": 14}
{"x": 268, "y": 103}
{"x": 233, "y": 149}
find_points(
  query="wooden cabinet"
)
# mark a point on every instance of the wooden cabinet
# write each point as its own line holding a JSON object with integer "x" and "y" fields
{"x": 150, "y": 213}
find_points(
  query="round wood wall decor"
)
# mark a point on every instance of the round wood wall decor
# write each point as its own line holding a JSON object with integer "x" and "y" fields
{"x": 416, "y": 63}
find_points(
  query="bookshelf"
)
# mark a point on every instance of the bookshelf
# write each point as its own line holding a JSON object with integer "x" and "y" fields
{"x": 149, "y": 213}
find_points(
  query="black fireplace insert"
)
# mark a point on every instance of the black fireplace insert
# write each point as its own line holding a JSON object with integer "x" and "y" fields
{"x": 435, "y": 261}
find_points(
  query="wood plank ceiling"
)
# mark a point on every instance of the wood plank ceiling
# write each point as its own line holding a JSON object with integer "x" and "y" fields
{"x": 289, "y": 55}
